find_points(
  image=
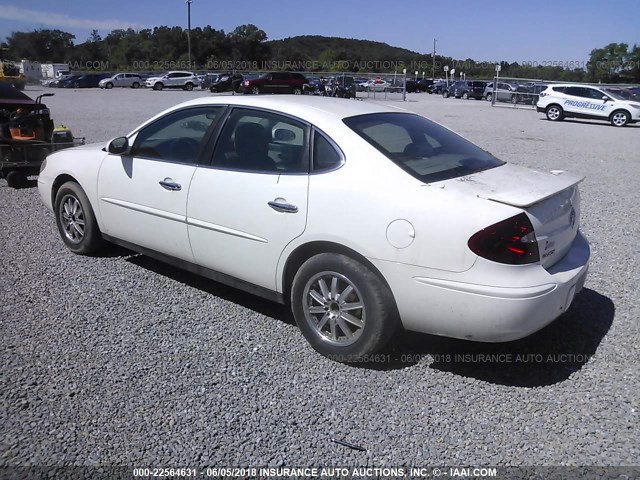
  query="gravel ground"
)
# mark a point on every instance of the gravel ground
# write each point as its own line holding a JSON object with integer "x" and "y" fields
{"x": 121, "y": 360}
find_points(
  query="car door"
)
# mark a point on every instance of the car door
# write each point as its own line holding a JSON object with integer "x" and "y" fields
{"x": 172, "y": 80}
{"x": 118, "y": 80}
{"x": 143, "y": 194}
{"x": 252, "y": 200}
{"x": 582, "y": 103}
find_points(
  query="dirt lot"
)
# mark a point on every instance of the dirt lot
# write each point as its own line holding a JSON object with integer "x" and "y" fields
{"x": 119, "y": 360}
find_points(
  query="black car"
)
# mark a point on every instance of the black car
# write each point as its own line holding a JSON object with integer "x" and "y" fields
{"x": 437, "y": 87}
{"x": 529, "y": 93}
{"x": 448, "y": 90}
{"x": 345, "y": 87}
{"x": 468, "y": 89}
{"x": 412, "y": 86}
{"x": 227, "y": 82}
{"x": 315, "y": 86}
{"x": 61, "y": 81}
{"x": 89, "y": 80}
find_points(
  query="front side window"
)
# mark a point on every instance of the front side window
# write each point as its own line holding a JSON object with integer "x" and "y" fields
{"x": 424, "y": 149}
{"x": 177, "y": 136}
{"x": 260, "y": 141}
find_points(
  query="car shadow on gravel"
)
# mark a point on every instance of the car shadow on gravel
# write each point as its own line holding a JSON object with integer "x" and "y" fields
{"x": 544, "y": 358}
{"x": 247, "y": 300}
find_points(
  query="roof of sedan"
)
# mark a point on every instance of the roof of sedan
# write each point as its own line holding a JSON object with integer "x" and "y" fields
{"x": 303, "y": 106}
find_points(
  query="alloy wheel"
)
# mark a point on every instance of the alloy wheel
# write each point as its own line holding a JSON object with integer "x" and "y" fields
{"x": 72, "y": 218}
{"x": 334, "y": 308}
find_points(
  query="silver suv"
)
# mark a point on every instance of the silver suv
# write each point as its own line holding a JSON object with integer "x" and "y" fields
{"x": 130, "y": 80}
{"x": 504, "y": 93}
{"x": 184, "y": 80}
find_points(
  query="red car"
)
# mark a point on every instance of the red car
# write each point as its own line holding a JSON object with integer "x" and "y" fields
{"x": 275, "y": 82}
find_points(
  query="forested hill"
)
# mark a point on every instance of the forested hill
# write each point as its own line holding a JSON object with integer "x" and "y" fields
{"x": 317, "y": 47}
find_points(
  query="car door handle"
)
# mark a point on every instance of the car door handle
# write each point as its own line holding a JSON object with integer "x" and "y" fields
{"x": 169, "y": 184}
{"x": 283, "y": 207}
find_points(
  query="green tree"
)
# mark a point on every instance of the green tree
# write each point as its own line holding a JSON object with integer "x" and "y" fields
{"x": 607, "y": 64}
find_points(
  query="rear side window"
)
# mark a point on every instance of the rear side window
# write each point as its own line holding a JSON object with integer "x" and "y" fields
{"x": 325, "y": 155}
{"x": 424, "y": 149}
{"x": 559, "y": 89}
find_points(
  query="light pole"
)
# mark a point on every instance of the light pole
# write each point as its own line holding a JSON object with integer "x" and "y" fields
{"x": 188, "y": 2}
{"x": 433, "y": 69}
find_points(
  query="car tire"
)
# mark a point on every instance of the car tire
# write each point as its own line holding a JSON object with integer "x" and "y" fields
{"x": 297, "y": 91}
{"x": 554, "y": 113}
{"x": 255, "y": 90}
{"x": 188, "y": 87}
{"x": 445, "y": 94}
{"x": 488, "y": 97}
{"x": 76, "y": 84}
{"x": 342, "y": 308}
{"x": 620, "y": 118}
{"x": 108, "y": 86}
{"x": 16, "y": 179}
{"x": 158, "y": 86}
{"x": 465, "y": 96}
{"x": 135, "y": 85}
{"x": 76, "y": 221}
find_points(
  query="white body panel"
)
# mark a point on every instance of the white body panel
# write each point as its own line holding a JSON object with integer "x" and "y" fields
{"x": 232, "y": 228}
{"x": 134, "y": 206}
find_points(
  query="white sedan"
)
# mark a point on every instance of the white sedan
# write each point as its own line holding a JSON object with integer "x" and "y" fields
{"x": 358, "y": 216}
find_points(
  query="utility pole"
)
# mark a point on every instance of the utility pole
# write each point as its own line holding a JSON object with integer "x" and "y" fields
{"x": 188, "y": 2}
{"x": 433, "y": 70}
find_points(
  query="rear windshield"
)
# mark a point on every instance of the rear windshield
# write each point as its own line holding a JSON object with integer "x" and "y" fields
{"x": 424, "y": 149}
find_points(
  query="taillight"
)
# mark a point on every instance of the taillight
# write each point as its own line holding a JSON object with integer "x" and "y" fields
{"x": 511, "y": 241}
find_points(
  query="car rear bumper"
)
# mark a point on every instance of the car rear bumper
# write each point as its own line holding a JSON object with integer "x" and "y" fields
{"x": 457, "y": 305}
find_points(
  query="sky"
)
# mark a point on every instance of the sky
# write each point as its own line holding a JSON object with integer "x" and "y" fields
{"x": 496, "y": 30}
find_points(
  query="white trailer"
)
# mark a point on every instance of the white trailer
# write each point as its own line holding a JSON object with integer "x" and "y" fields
{"x": 54, "y": 70}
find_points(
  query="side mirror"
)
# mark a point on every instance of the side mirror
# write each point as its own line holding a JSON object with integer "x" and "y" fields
{"x": 605, "y": 98}
{"x": 284, "y": 135}
{"x": 118, "y": 146}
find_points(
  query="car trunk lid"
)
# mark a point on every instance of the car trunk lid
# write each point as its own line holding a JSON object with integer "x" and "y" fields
{"x": 551, "y": 200}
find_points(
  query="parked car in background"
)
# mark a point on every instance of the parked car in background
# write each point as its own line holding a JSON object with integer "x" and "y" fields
{"x": 89, "y": 80}
{"x": 258, "y": 193}
{"x": 178, "y": 79}
{"x": 58, "y": 82}
{"x": 227, "y": 82}
{"x": 528, "y": 93}
{"x": 206, "y": 79}
{"x": 275, "y": 82}
{"x": 127, "y": 80}
{"x": 504, "y": 92}
{"x": 469, "y": 89}
{"x": 412, "y": 86}
{"x": 626, "y": 93}
{"x": 315, "y": 86}
{"x": 377, "y": 85}
{"x": 558, "y": 102}
{"x": 448, "y": 90}
{"x": 344, "y": 87}
{"x": 437, "y": 87}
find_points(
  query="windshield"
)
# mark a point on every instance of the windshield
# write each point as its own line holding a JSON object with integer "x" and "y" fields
{"x": 424, "y": 149}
